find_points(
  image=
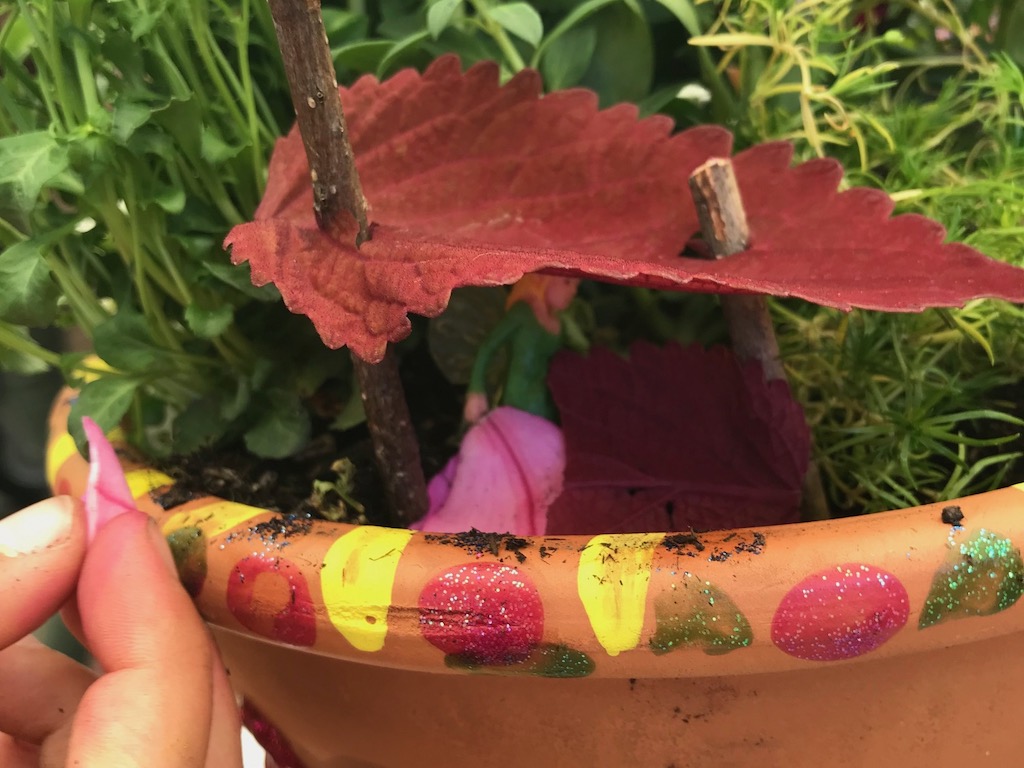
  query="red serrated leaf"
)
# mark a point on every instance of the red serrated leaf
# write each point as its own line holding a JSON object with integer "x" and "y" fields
{"x": 674, "y": 439}
{"x": 472, "y": 183}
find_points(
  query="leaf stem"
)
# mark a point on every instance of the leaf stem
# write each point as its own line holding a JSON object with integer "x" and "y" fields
{"x": 337, "y": 192}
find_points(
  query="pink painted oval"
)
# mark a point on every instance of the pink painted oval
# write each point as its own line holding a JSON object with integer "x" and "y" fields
{"x": 485, "y": 613}
{"x": 840, "y": 613}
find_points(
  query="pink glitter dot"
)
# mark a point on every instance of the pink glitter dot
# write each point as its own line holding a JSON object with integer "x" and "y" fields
{"x": 486, "y": 613}
{"x": 840, "y": 613}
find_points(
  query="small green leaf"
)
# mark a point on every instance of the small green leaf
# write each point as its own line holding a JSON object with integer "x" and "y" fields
{"x": 582, "y": 12}
{"x": 29, "y": 293}
{"x": 129, "y": 116}
{"x": 623, "y": 64}
{"x": 401, "y": 52}
{"x": 283, "y": 428}
{"x": 198, "y": 425}
{"x": 520, "y": 19}
{"x": 454, "y": 337}
{"x": 17, "y": 361}
{"x": 125, "y": 343}
{"x": 240, "y": 278}
{"x": 214, "y": 150}
{"x": 27, "y": 162}
{"x": 439, "y": 15}
{"x": 105, "y": 400}
{"x": 567, "y": 59}
{"x": 685, "y": 11}
{"x": 209, "y": 322}
{"x": 364, "y": 56}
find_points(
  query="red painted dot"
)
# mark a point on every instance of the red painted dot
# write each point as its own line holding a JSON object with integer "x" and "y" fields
{"x": 293, "y": 620}
{"x": 485, "y": 613}
{"x": 840, "y": 613}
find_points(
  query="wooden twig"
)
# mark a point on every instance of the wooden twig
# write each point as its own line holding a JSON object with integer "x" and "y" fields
{"x": 337, "y": 194}
{"x": 723, "y": 222}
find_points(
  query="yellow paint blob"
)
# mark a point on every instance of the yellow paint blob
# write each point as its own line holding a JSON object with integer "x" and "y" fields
{"x": 613, "y": 576}
{"x": 142, "y": 481}
{"x": 357, "y": 581}
{"x": 60, "y": 450}
{"x": 214, "y": 518}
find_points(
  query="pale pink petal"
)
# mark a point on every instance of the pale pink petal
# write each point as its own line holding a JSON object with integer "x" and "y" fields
{"x": 508, "y": 472}
{"x": 106, "y": 492}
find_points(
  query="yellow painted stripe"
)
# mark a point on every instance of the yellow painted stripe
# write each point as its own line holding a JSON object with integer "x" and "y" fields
{"x": 142, "y": 481}
{"x": 214, "y": 518}
{"x": 613, "y": 576}
{"x": 60, "y": 450}
{"x": 357, "y": 581}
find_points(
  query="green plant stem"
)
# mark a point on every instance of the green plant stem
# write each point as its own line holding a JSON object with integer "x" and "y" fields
{"x": 500, "y": 37}
{"x": 25, "y": 346}
{"x": 337, "y": 194}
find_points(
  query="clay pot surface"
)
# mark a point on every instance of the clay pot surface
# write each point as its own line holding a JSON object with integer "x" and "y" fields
{"x": 888, "y": 640}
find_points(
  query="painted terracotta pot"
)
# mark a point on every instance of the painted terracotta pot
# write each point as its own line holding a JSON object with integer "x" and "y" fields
{"x": 887, "y": 640}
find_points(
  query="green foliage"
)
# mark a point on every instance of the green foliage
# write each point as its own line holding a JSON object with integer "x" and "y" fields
{"x": 133, "y": 135}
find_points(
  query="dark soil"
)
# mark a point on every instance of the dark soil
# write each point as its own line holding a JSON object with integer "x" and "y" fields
{"x": 286, "y": 485}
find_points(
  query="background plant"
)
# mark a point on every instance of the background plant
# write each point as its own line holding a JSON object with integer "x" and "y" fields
{"x": 134, "y": 135}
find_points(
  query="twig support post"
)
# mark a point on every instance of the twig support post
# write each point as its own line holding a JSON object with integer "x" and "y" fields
{"x": 337, "y": 194}
{"x": 723, "y": 223}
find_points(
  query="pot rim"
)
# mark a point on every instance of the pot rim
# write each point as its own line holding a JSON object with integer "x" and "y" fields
{"x": 616, "y": 605}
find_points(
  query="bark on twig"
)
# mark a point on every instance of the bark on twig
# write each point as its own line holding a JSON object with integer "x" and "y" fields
{"x": 723, "y": 224}
{"x": 337, "y": 194}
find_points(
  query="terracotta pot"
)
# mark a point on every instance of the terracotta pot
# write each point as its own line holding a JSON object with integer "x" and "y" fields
{"x": 886, "y": 640}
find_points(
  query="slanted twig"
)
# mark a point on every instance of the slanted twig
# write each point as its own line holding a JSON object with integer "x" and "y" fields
{"x": 723, "y": 224}
{"x": 336, "y": 195}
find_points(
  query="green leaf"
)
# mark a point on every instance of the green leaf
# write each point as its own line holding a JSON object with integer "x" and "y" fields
{"x": 17, "y": 361}
{"x": 455, "y": 336}
{"x": 27, "y": 162}
{"x": 283, "y": 427}
{"x": 209, "y": 322}
{"x": 685, "y": 12}
{"x": 29, "y": 293}
{"x": 580, "y": 14}
{"x": 401, "y": 52}
{"x": 567, "y": 59}
{"x": 214, "y": 150}
{"x": 623, "y": 64}
{"x": 105, "y": 400}
{"x": 200, "y": 424}
{"x": 365, "y": 56}
{"x": 125, "y": 343}
{"x": 240, "y": 278}
{"x": 439, "y": 15}
{"x": 129, "y": 116}
{"x": 520, "y": 19}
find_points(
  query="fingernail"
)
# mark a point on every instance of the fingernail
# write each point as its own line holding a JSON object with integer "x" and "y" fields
{"x": 160, "y": 543}
{"x": 37, "y": 527}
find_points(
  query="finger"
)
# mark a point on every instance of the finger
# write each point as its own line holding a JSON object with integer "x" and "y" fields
{"x": 17, "y": 754}
{"x": 153, "y": 707}
{"x": 41, "y": 551}
{"x": 226, "y": 730}
{"x": 41, "y": 689}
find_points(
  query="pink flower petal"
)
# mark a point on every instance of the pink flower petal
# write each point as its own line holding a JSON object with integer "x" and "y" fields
{"x": 507, "y": 473}
{"x": 106, "y": 492}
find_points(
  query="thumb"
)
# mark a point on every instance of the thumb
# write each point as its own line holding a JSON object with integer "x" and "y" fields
{"x": 154, "y": 705}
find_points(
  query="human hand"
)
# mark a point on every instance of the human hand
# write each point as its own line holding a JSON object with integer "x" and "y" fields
{"x": 163, "y": 700}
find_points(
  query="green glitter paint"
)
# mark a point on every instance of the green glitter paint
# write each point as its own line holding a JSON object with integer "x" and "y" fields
{"x": 546, "y": 660}
{"x": 984, "y": 575}
{"x": 697, "y": 614}
{"x": 188, "y": 547}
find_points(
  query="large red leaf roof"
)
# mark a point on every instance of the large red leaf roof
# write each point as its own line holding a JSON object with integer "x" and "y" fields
{"x": 473, "y": 183}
